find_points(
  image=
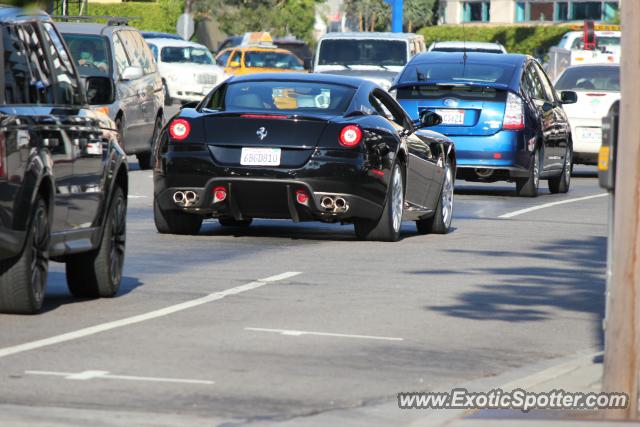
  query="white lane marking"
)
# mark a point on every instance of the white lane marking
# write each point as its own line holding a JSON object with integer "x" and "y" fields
{"x": 143, "y": 317}
{"x": 91, "y": 375}
{"x": 133, "y": 196}
{"x": 295, "y": 333}
{"x": 548, "y": 205}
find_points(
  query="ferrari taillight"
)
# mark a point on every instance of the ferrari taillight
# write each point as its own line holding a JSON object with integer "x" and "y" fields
{"x": 179, "y": 129}
{"x": 513, "y": 113}
{"x": 350, "y": 136}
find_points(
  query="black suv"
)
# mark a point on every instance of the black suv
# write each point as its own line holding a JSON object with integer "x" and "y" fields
{"x": 63, "y": 175}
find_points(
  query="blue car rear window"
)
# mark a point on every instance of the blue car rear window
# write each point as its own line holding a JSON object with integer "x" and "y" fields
{"x": 458, "y": 72}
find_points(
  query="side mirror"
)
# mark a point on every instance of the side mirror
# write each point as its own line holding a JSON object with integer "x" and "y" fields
{"x": 132, "y": 73}
{"x": 568, "y": 97}
{"x": 100, "y": 90}
{"x": 429, "y": 118}
{"x": 234, "y": 64}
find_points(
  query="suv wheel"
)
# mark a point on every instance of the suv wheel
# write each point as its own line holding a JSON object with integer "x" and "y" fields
{"x": 440, "y": 223}
{"x": 22, "y": 281}
{"x": 528, "y": 187}
{"x": 561, "y": 184}
{"x": 98, "y": 273}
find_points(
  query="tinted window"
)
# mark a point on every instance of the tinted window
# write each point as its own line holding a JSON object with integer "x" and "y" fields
{"x": 67, "y": 84}
{"x": 295, "y": 97}
{"x": 532, "y": 84}
{"x": 455, "y": 72}
{"x": 187, "y": 54}
{"x": 41, "y": 77}
{"x": 600, "y": 42}
{"x": 362, "y": 52}
{"x": 16, "y": 69}
{"x": 272, "y": 60}
{"x": 590, "y": 78}
{"x": 120, "y": 55}
{"x": 223, "y": 58}
{"x": 89, "y": 52}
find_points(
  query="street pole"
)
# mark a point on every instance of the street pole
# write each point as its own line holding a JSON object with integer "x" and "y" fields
{"x": 396, "y": 14}
{"x": 622, "y": 333}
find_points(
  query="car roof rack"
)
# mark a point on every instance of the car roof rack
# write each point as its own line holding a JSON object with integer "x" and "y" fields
{"x": 111, "y": 20}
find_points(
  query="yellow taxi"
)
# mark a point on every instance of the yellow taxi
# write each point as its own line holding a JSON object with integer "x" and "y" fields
{"x": 258, "y": 54}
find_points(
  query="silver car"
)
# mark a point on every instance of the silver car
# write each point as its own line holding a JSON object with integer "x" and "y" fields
{"x": 119, "y": 51}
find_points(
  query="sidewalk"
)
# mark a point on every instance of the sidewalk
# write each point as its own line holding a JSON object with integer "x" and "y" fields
{"x": 582, "y": 374}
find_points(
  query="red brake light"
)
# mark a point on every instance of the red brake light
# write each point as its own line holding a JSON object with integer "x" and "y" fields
{"x": 219, "y": 194}
{"x": 350, "y": 136}
{"x": 596, "y": 94}
{"x": 302, "y": 197}
{"x": 179, "y": 129}
{"x": 513, "y": 113}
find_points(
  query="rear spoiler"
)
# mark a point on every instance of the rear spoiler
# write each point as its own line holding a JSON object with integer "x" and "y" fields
{"x": 501, "y": 86}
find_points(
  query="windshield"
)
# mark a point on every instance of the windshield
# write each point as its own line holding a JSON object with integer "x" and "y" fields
{"x": 455, "y": 72}
{"x": 590, "y": 78}
{"x": 275, "y": 96}
{"x": 600, "y": 42}
{"x": 89, "y": 52}
{"x": 363, "y": 52}
{"x": 195, "y": 55}
{"x": 267, "y": 59}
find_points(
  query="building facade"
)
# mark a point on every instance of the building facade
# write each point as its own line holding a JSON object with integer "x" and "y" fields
{"x": 513, "y": 11}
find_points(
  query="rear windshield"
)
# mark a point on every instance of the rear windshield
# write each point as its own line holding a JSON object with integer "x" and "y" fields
{"x": 363, "y": 52}
{"x": 186, "y": 54}
{"x": 458, "y": 72}
{"x": 267, "y": 59}
{"x": 89, "y": 52}
{"x": 457, "y": 92}
{"x": 590, "y": 78}
{"x": 273, "y": 97}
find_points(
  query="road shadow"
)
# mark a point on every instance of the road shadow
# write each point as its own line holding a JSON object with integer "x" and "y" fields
{"x": 491, "y": 190}
{"x": 531, "y": 293}
{"x": 57, "y": 294}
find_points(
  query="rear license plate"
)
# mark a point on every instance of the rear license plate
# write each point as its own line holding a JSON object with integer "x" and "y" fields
{"x": 590, "y": 134}
{"x": 260, "y": 156}
{"x": 451, "y": 117}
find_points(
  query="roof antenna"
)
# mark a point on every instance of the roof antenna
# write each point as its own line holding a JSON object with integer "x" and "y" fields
{"x": 464, "y": 44}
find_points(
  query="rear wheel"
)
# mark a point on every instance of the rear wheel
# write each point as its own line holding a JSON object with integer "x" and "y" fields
{"x": 230, "y": 222}
{"x": 561, "y": 184}
{"x": 23, "y": 280}
{"x": 440, "y": 223}
{"x": 387, "y": 228}
{"x": 145, "y": 159}
{"x": 99, "y": 273}
{"x": 528, "y": 187}
{"x": 175, "y": 222}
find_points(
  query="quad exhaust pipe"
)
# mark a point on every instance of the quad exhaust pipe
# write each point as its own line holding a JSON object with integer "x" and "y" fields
{"x": 186, "y": 198}
{"x": 334, "y": 204}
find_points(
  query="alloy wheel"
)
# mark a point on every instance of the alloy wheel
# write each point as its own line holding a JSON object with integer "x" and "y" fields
{"x": 118, "y": 239}
{"x": 39, "y": 252}
{"x": 447, "y": 197}
{"x": 396, "y": 198}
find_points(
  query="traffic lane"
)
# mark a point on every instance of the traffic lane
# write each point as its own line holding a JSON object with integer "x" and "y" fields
{"x": 470, "y": 312}
{"x": 154, "y": 258}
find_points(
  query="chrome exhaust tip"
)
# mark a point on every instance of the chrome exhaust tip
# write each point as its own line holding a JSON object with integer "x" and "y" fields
{"x": 341, "y": 204}
{"x": 179, "y": 197}
{"x": 327, "y": 202}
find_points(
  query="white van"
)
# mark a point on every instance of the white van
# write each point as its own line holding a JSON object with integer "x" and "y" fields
{"x": 378, "y": 57}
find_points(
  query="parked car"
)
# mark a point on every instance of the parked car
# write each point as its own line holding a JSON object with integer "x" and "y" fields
{"x": 502, "y": 112}
{"x": 188, "y": 69}
{"x": 462, "y": 46}
{"x": 63, "y": 175}
{"x": 120, "y": 52}
{"x": 305, "y": 147}
{"x": 377, "y": 57}
{"x": 598, "y": 87}
{"x": 298, "y": 48}
{"x": 158, "y": 35}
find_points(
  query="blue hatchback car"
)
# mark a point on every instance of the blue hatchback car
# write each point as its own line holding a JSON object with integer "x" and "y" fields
{"x": 501, "y": 111}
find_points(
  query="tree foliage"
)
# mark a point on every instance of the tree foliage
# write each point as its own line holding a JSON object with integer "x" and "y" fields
{"x": 279, "y": 17}
{"x": 419, "y": 13}
{"x": 368, "y": 15}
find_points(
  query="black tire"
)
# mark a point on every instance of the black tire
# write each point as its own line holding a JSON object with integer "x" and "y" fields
{"x": 387, "y": 227}
{"x": 561, "y": 184}
{"x": 145, "y": 159}
{"x": 440, "y": 222}
{"x": 230, "y": 222}
{"x": 23, "y": 279}
{"x": 175, "y": 222}
{"x": 528, "y": 187}
{"x": 97, "y": 274}
{"x": 165, "y": 91}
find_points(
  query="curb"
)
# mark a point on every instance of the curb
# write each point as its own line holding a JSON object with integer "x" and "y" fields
{"x": 526, "y": 377}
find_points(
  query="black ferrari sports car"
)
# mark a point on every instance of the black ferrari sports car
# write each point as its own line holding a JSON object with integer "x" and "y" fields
{"x": 303, "y": 147}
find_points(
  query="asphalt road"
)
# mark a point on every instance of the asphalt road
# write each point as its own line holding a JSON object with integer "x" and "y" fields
{"x": 358, "y": 323}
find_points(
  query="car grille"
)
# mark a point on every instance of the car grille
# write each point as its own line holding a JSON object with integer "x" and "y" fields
{"x": 206, "y": 79}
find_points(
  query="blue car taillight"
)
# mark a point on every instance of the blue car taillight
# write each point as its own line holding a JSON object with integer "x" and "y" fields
{"x": 513, "y": 113}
